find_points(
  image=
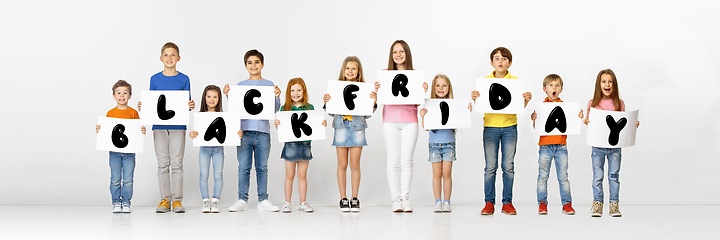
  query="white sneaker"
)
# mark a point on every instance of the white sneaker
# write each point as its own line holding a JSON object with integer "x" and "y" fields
{"x": 397, "y": 206}
{"x": 215, "y": 205}
{"x": 240, "y": 205}
{"x": 438, "y": 207}
{"x": 126, "y": 207}
{"x": 305, "y": 207}
{"x": 446, "y": 207}
{"x": 206, "y": 206}
{"x": 406, "y": 205}
{"x": 266, "y": 205}
{"x": 117, "y": 208}
{"x": 287, "y": 207}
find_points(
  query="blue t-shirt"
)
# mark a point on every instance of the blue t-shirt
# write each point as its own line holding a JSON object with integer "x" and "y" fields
{"x": 441, "y": 136}
{"x": 255, "y": 124}
{"x": 178, "y": 82}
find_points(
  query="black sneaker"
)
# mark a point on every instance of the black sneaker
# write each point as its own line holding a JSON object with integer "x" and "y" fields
{"x": 344, "y": 205}
{"x": 354, "y": 205}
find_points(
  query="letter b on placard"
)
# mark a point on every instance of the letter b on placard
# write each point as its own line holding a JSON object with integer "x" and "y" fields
{"x": 349, "y": 95}
{"x": 250, "y": 106}
{"x": 298, "y": 124}
{"x": 500, "y": 96}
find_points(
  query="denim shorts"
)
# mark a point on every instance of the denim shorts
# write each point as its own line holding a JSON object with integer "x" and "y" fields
{"x": 441, "y": 152}
{"x": 296, "y": 151}
{"x": 345, "y": 136}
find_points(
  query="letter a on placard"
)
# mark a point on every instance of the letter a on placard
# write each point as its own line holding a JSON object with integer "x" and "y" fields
{"x": 119, "y": 139}
{"x": 164, "y": 114}
{"x": 615, "y": 128}
{"x": 216, "y": 130}
{"x": 348, "y": 95}
{"x": 250, "y": 106}
{"x": 500, "y": 96}
{"x": 298, "y": 123}
{"x": 444, "y": 112}
{"x": 399, "y": 85}
{"x": 556, "y": 119}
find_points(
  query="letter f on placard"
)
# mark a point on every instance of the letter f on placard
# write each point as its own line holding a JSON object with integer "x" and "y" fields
{"x": 298, "y": 123}
{"x": 348, "y": 95}
{"x": 615, "y": 128}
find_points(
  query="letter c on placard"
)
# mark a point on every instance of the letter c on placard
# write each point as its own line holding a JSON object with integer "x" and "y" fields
{"x": 500, "y": 96}
{"x": 615, "y": 128}
{"x": 556, "y": 119}
{"x": 119, "y": 139}
{"x": 399, "y": 85}
{"x": 217, "y": 130}
{"x": 162, "y": 111}
{"x": 348, "y": 95}
{"x": 444, "y": 112}
{"x": 298, "y": 123}
{"x": 250, "y": 106}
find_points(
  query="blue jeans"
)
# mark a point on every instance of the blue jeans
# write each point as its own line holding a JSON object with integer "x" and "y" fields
{"x": 504, "y": 139}
{"x": 598, "y": 160}
{"x": 546, "y": 155}
{"x": 258, "y": 143}
{"x": 217, "y": 157}
{"x": 122, "y": 170}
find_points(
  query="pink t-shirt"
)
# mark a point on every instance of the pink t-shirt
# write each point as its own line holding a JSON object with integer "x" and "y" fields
{"x": 399, "y": 113}
{"x": 607, "y": 105}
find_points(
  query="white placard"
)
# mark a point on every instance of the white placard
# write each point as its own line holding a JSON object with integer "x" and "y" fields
{"x": 456, "y": 112}
{"x": 165, "y": 107}
{"x": 499, "y": 95}
{"x": 564, "y": 120}
{"x": 622, "y": 124}
{"x": 350, "y": 98}
{"x": 307, "y": 125}
{"x": 119, "y": 135}
{"x": 252, "y": 102}
{"x": 223, "y": 128}
{"x": 401, "y": 87}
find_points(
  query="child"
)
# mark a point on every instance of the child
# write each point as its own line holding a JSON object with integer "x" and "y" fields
{"x": 500, "y": 132}
{"x": 553, "y": 147}
{"x": 606, "y": 97}
{"x": 349, "y": 137}
{"x": 255, "y": 141}
{"x": 169, "y": 140}
{"x": 211, "y": 103}
{"x": 122, "y": 165}
{"x": 296, "y": 153}
{"x": 400, "y": 131}
{"x": 442, "y": 147}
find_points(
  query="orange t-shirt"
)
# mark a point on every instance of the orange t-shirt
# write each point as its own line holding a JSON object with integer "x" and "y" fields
{"x": 128, "y": 113}
{"x": 553, "y": 139}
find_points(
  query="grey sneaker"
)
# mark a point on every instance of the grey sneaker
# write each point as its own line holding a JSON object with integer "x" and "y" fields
{"x": 597, "y": 209}
{"x": 206, "y": 206}
{"x": 615, "y": 210}
{"x": 163, "y": 206}
{"x": 126, "y": 207}
{"x": 117, "y": 208}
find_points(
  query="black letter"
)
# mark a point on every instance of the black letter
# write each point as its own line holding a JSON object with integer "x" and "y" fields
{"x": 349, "y": 96}
{"x": 118, "y": 136}
{"x": 250, "y": 106}
{"x": 445, "y": 112}
{"x": 399, "y": 85}
{"x": 615, "y": 128}
{"x": 162, "y": 113}
{"x": 499, "y": 96}
{"x": 299, "y": 123}
{"x": 216, "y": 130}
{"x": 556, "y": 119}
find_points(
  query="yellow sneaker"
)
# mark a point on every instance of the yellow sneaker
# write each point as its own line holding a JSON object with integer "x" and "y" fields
{"x": 178, "y": 207}
{"x": 163, "y": 206}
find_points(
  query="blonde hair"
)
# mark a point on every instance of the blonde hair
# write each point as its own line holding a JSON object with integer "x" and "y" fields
{"x": 552, "y": 77}
{"x": 348, "y": 59}
{"x": 288, "y": 99}
{"x": 450, "y": 91}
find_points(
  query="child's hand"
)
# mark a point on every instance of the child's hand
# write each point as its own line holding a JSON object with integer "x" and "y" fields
{"x": 277, "y": 122}
{"x": 373, "y": 95}
{"x": 97, "y": 128}
{"x": 580, "y": 115}
{"x": 143, "y": 129}
{"x": 586, "y": 121}
{"x": 240, "y": 133}
{"x": 423, "y": 111}
{"x": 326, "y": 98}
{"x": 470, "y": 106}
{"x": 533, "y": 116}
{"x": 193, "y": 134}
{"x": 637, "y": 124}
{"x": 277, "y": 91}
{"x": 425, "y": 86}
{"x": 191, "y": 104}
{"x": 474, "y": 95}
{"x": 377, "y": 86}
{"x": 527, "y": 96}
{"x": 139, "y": 105}
{"x": 324, "y": 123}
{"x": 226, "y": 89}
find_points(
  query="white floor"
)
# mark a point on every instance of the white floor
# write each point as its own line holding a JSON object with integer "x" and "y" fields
{"x": 465, "y": 222}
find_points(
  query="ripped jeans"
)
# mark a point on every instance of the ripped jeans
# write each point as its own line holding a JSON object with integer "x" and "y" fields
{"x": 598, "y": 161}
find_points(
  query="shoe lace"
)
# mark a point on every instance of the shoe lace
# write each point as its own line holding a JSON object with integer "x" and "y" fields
{"x": 163, "y": 203}
{"x": 596, "y": 207}
{"x": 177, "y": 203}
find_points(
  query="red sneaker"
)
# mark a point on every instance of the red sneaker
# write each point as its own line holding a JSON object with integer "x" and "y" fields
{"x": 509, "y": 209}
{"x": 567, "y": 209}
{"x": 542, "y": 210}
{"x": 489, "y": 209}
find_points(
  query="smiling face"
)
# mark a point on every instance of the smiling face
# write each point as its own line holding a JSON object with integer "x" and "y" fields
{"x": 606, "y": 85}
{"x": 398, "y": 53}
{"x": 351, "y": 71}
{"x": 553, "y": 90}
{"x": 296, "y": 94}
{"x": 441, "y": 87}
{"x": 121, "y": 96}
{"x": 500, "y": 63}
{"x": 170, "y": 57}
{"x": 211, "y": 99}
{"x": 254, "y": 66}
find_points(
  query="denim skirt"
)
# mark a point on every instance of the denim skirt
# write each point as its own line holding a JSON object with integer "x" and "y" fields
{"x": 296, "y": 151}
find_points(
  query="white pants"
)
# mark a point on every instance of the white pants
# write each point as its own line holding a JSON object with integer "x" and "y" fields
{"x": 400, "y": 139}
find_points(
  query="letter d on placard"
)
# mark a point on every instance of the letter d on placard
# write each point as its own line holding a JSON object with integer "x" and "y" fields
{"x": 500, "y": 96}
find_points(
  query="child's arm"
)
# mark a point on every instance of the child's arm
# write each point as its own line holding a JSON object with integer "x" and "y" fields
{"x": 277, "y": 122}
{"x": 533, "y": 116}
{"x": 423, "y": 111}
{"x": 191, "y": 105}
{"x": 475, "y": 94}
{"x": 142, "y": 129}
{"x": 193, "y": 134}
{"x": 226, "y": 89}
{"x": 277, "y": 98}
{"x": 240, "y": 133}
{"x": 97, "y": 128}
{"x": 324, "y": 123}
{"x": 527, "y": 96}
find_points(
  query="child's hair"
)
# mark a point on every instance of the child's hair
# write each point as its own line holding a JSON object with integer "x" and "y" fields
{"x": 408, "y": 56}
{"x": 348, "y": 59}
{"x": 615, "y": 95}
{"x": 122, "y": 83}
{"x": 203, "y": 104}
{"x": 256, "y": 53}
{"x": 552, "y": 77}
{"x": 170, "y": 45}
{"x": 503, "y": 52}
{"x": 450, "y": 91}
{"x": 288, "y": 99}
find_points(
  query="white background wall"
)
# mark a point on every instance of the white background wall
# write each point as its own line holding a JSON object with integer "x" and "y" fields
{"x": 59, "y": 59}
